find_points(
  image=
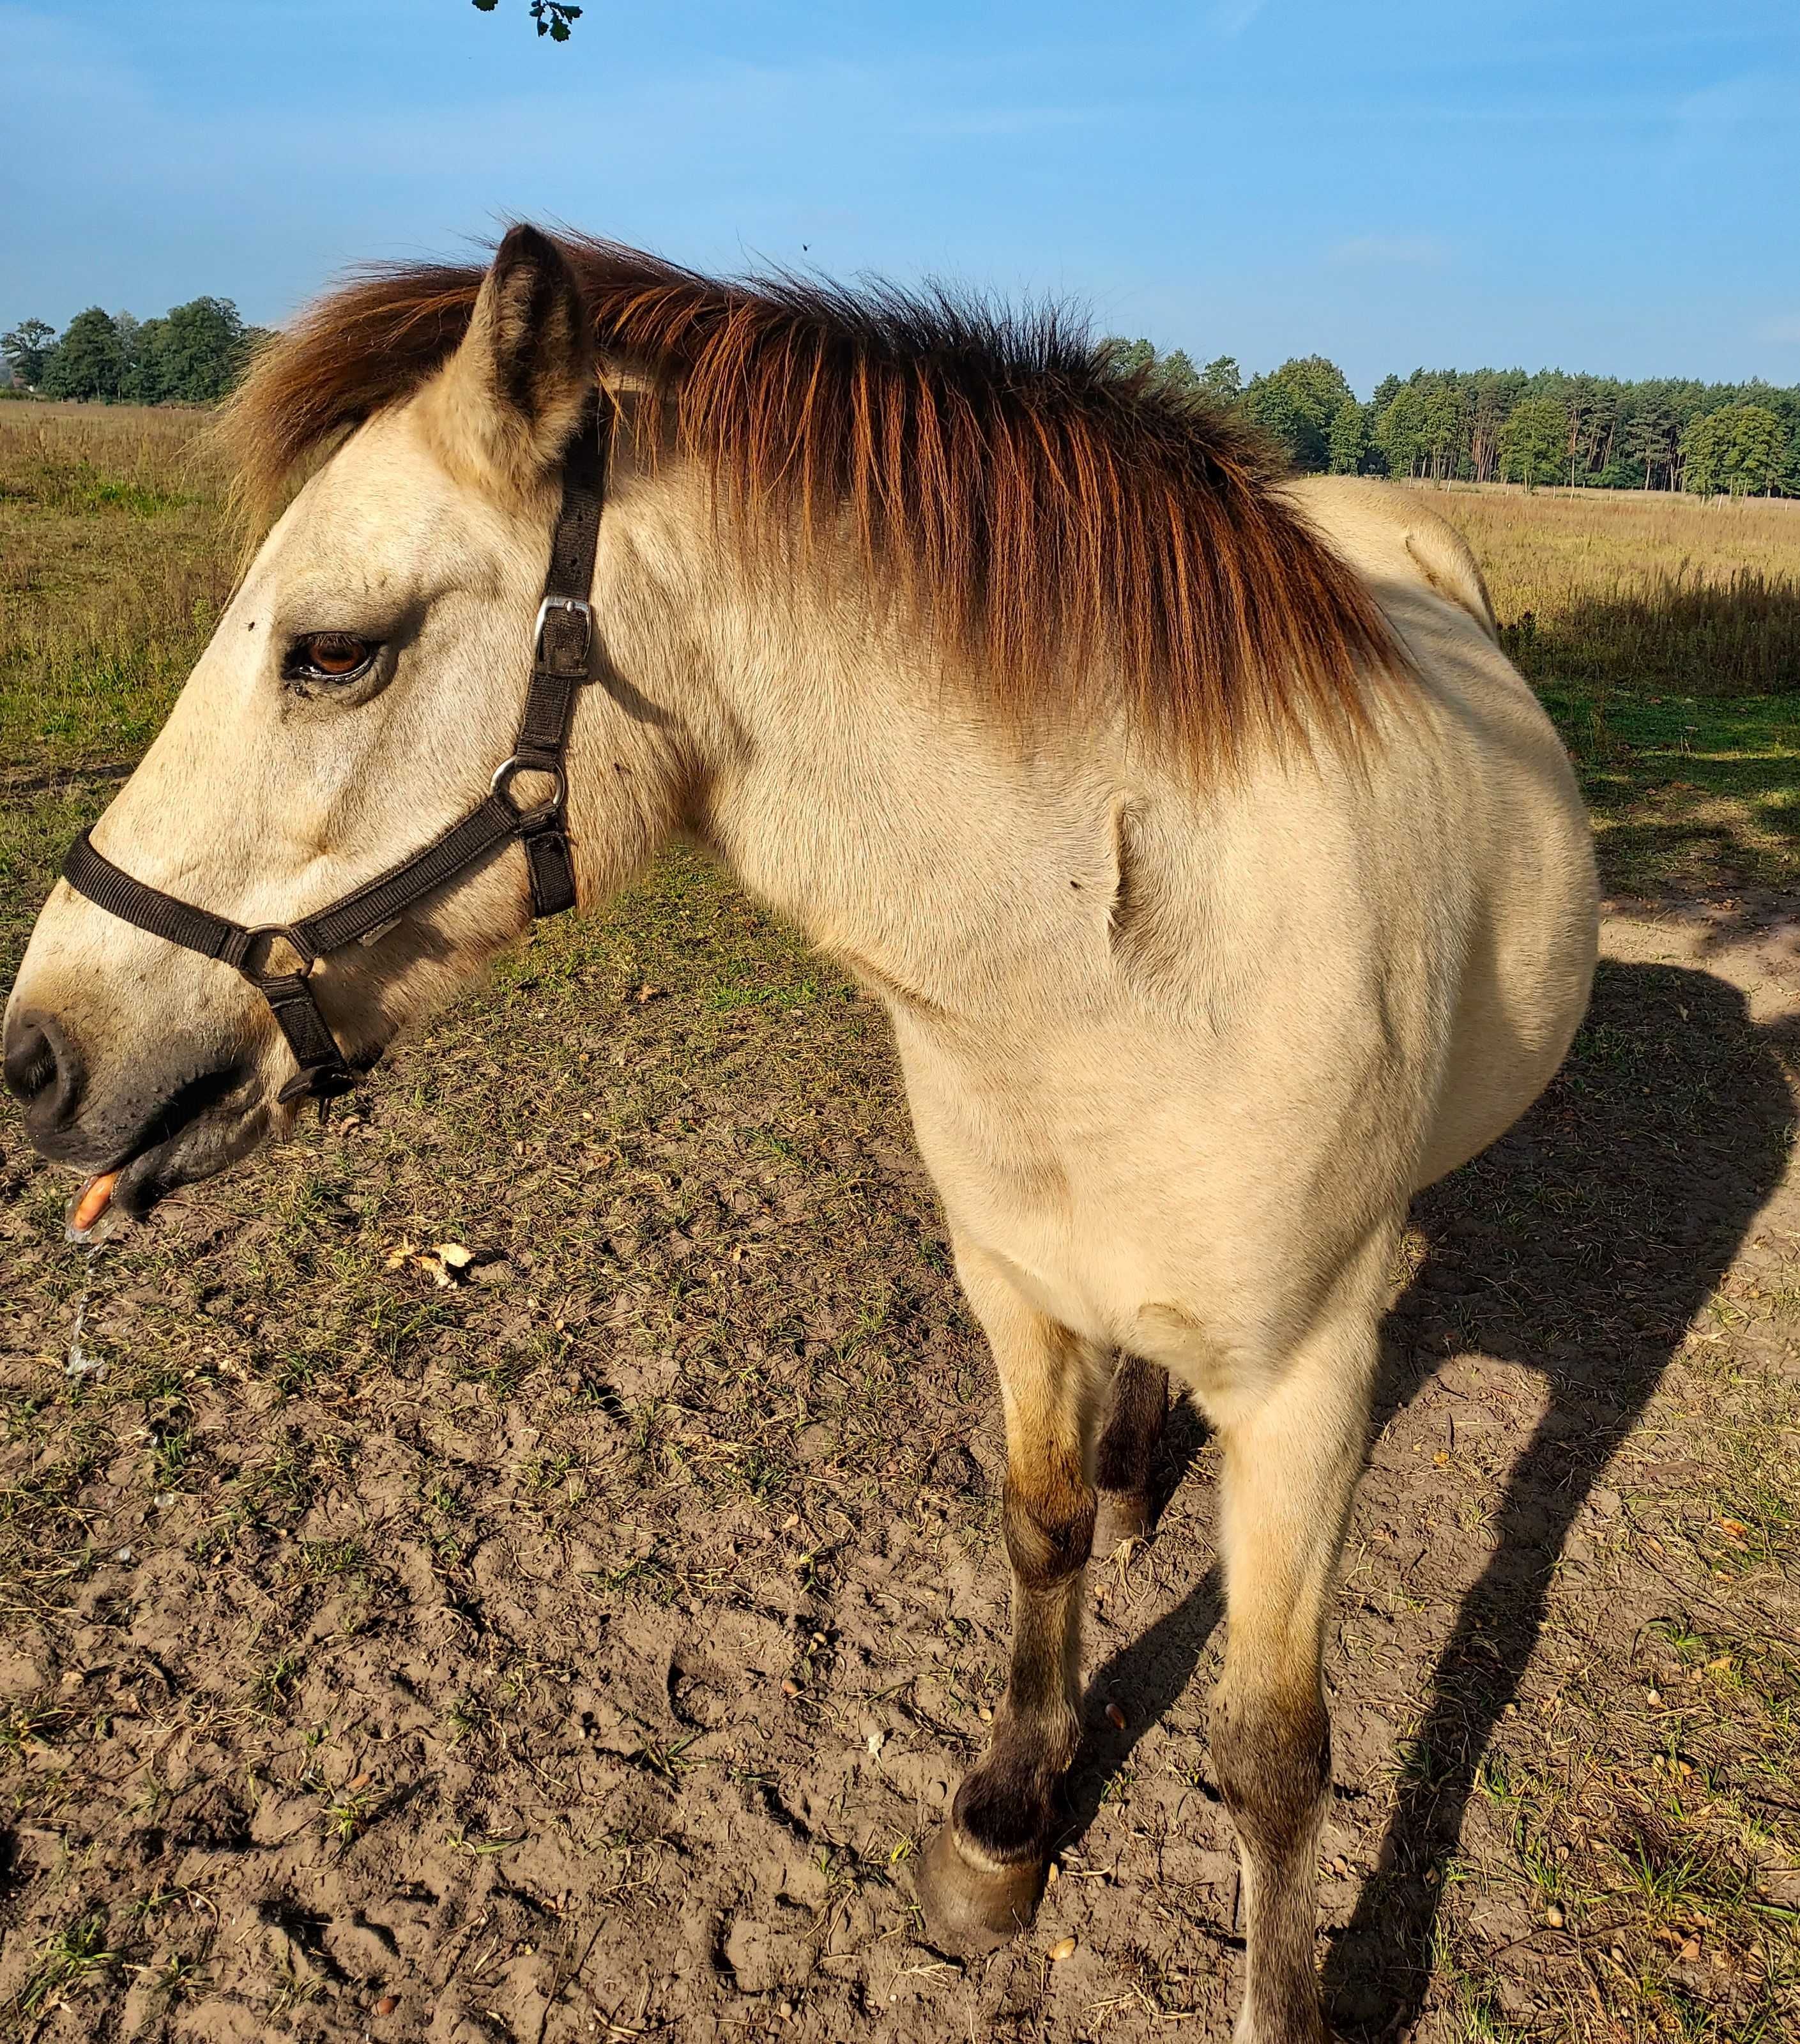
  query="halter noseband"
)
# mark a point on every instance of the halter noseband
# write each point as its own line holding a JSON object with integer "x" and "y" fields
{"x": 562, "y": 652}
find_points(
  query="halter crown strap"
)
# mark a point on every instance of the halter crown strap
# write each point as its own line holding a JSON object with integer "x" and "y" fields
{"x": 562, "y": 657}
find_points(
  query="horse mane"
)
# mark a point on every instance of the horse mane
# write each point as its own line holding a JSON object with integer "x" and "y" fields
{"x": 1056, "y": 522}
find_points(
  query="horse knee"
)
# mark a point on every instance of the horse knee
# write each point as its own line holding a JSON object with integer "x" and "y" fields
{"x": 1271, "y": 1754}
{"x": 1048, "y": 1516}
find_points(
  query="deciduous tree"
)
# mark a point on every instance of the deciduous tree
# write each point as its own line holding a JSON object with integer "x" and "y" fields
{"x": 88, "y": 362}
{"x": 26, "y": 348}
{"x": 1222, "y": 380}
{"x": 1295, "y": 405}
{"x": 1349, "y": 439}
{"x": 1533, "y": 439}
{"x": 554, "y": 17}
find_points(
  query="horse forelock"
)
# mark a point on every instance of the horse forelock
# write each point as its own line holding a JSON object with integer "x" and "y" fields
{"x": 1054, "y": 522}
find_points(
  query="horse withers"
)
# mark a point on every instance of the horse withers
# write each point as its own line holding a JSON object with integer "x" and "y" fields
{"x": 1223, "y": 882}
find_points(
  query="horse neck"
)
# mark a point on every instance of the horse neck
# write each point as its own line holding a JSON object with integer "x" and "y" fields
{"x": 843, "y": 779}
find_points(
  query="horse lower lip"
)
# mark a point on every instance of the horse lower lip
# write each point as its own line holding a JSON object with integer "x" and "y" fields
{"x": 138, "y": 1171}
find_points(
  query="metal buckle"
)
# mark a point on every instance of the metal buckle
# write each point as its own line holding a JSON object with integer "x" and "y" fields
{"x": 577, "y": 607}
{"x": 520, "y": 763}
{"x": 262, "y": 975}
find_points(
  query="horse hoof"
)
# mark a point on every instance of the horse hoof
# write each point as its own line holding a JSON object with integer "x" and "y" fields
{"x": 1123, "y": 1516}
{"x": 971, "y": 1909}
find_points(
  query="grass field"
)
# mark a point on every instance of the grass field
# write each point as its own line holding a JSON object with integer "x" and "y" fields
{"x": 581, "y": 1646}
{"x": 1664, "y": 634}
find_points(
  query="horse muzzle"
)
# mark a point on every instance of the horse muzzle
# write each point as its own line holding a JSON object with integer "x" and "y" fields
{"x": 150, "y": 1132}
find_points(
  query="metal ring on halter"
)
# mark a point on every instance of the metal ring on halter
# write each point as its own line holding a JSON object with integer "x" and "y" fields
{"x": 262, "y": 975}
{"x": 519, "y": 763}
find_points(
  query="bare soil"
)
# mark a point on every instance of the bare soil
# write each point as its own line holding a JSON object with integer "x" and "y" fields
{"x": 580, "y": 1640}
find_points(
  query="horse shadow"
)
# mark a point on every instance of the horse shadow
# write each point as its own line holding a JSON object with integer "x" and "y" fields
{"x": 1582, "y": 1244}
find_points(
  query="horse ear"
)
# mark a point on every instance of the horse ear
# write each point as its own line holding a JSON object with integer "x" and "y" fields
{"x": 514, "y": 390}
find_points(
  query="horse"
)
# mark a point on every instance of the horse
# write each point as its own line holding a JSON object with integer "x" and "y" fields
{"x": 1224, "y": 883}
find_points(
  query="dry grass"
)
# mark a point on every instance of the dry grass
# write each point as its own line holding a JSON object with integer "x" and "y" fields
{"x": 114, "y": 565}
{"x": 1643, "y": 590}
{"x": 1542, "y": 552}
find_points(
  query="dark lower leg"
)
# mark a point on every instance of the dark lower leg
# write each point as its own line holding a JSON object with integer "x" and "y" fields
{"x": 1290, "y": 1467}
{"x": 1134, "y": 1425}
{"x": 1271, "y": 1752}
{"x": 1005, "y": 1807}
{"x": 980, "y": 1881}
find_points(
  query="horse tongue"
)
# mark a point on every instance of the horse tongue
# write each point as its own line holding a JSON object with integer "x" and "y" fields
{"x": 91, "y": 1202}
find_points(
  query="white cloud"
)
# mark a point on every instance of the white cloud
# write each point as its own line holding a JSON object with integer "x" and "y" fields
{"x": 1755, "y": 101}
{"x": 1231, "y": 17}
{"x": 1418, "y": 251}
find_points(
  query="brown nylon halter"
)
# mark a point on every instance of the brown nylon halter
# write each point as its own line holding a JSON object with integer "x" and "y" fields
{"x": 562, "y": 654}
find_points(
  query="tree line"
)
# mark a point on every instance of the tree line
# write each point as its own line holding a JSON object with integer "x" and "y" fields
{"x": 192, "y": 356}
{"x": 1479, "y": 425}
{"x": 1486, "y": 425}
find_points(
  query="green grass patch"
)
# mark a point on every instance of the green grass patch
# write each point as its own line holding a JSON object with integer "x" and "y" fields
{"x": 1688, "y": 793}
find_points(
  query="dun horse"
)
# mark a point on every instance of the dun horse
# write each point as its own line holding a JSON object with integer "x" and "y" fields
{"x": 1224, "y": 883}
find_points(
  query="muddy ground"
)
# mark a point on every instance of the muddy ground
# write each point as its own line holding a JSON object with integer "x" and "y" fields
{"x": 581, "y": 1642}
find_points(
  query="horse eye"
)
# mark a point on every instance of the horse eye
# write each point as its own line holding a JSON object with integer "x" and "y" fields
{"x": 330, "y": 656}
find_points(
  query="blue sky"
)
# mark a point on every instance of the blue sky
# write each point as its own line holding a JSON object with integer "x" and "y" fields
{"x": 1592, "y": 184}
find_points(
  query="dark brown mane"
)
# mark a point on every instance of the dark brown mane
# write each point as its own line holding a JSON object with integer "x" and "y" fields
{"x": 1047, "y": 514}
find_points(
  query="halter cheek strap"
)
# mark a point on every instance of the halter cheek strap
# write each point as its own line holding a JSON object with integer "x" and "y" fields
{"x": 563, "y": 648}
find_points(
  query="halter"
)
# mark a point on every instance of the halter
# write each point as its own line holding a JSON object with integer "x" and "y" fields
{"x": 562, "y": 652}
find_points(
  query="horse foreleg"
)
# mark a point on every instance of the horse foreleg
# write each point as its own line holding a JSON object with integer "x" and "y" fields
{"x": 980, "y": 1881}
{"x": 1134, "y": 1426}
{"x": 1291, "y": 1462}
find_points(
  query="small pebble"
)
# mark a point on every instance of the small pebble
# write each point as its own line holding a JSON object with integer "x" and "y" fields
{"x": 1115, "y": 1717}
{"x": 790, "y": 1687}
{"x": 1554, "y": 1916}
{"x": 387, "y": 2004}
{"x": 1062, "y": 1948}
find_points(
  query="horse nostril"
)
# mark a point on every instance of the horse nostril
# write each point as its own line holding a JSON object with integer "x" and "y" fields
{"x": 31, "y": 1060}
{"x": 42, "y": 1069}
